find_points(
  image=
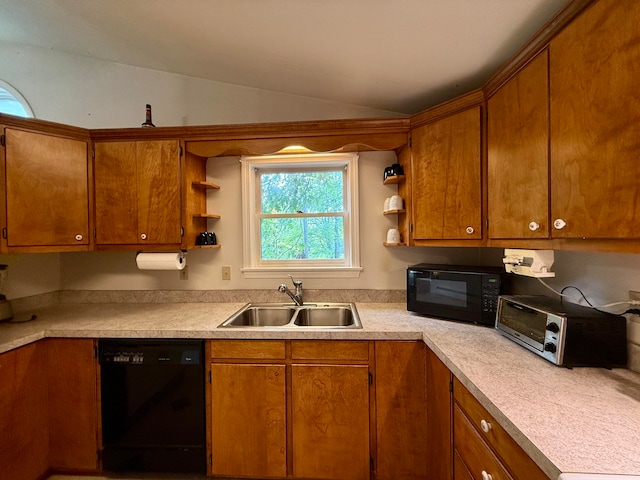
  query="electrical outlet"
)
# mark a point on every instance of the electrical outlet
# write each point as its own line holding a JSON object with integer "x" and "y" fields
{"x": 226, "y": 272}
{"x": 184, "y": 273}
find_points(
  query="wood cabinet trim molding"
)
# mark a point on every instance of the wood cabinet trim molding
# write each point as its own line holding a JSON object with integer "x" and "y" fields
{"x": 464, "y": 102}
{"x": 46, "y": 127}
{"x": 316, "y": 128}
{"x": 534, "y": 46}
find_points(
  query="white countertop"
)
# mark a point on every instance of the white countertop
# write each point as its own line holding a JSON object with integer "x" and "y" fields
{"x": 585, "y": 420}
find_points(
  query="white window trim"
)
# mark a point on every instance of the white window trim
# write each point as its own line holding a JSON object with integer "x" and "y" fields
{"x": 250, "y": 229}
{"x": 19, "y": 98}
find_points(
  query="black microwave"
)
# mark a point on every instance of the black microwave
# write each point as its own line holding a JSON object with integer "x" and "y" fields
{"x": 456, "y": 292}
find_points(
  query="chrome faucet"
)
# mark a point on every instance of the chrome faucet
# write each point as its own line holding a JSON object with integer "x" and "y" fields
{"x": 297, "y": 297}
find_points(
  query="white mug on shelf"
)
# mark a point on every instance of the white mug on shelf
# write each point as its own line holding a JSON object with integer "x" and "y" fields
{"x": 387, "y": 202}
{"x": 396, "y": 203}
{"x": 393, "y": 235}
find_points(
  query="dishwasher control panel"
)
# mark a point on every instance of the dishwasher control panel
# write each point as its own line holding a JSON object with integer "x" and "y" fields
{"x": 150, "y": 353}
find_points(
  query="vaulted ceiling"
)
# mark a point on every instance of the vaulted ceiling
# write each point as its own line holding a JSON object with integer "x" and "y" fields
{"x": 396, "y": 55}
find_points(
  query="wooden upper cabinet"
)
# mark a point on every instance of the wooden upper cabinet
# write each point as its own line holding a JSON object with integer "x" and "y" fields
{"x": 518, "y": 154}
{"x": 137, "y": 189}
{"x": 46, "y": 192}
{"x": 445, "y": 169}
{"x": 595, "y": 123}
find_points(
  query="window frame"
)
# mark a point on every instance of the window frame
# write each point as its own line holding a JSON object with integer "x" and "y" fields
{"x": 253, "y": 265}
{"x": 19, "y": 98}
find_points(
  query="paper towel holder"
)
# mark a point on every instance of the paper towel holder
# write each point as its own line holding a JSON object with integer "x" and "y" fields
{"x": 182, "y": 256}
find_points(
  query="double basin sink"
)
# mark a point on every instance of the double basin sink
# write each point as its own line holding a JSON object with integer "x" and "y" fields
{"x": 321, "y": 315}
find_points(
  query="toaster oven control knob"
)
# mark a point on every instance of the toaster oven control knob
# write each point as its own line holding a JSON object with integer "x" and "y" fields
{"x": 559, "y": 224}
{"x": 553, "y": 327}
{"x": 533, "y": 226}
{"x": 550, "y": 347}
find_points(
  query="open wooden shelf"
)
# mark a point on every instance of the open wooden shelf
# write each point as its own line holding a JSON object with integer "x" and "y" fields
{"x": 206, "y": 185}
{"x": 206, "y": 215}
{"x": 207, "y": 246}
{"x": 394, "y": 212}
{"x": 394, "y": 244}
{"x": 393, "y": 180}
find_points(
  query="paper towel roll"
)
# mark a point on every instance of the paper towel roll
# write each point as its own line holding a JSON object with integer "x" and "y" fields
{"x": 161, "y": 261}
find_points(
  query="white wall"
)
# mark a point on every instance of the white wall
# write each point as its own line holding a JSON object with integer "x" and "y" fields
{"x": 96, "y": 94}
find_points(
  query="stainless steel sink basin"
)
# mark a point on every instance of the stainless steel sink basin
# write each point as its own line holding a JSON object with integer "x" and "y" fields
{"x": 319, "y": 315}
{"x": 324, "y": 317}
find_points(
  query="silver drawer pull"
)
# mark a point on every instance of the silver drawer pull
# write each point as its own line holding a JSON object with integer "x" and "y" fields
{"x": 486, "y": 476}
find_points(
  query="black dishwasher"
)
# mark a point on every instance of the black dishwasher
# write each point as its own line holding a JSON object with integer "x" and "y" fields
{"x": 153, "y": 405}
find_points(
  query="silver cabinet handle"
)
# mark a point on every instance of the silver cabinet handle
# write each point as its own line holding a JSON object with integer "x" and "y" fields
{"x": 79, "y": 237}
{"x": 143, "y": 236}
{"x": 469, "y": 230}
{"x": 533, "y": 226}
{"x": 486, "y": 476}
{"x": 559, "y": 224}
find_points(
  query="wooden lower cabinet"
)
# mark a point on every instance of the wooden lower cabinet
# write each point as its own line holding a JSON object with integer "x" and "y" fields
{"x": 72, "y": 372}
{"x": 48, "y": 409}
{"x": 330, "y": 421}
{"x": 482, "y": 445}
{"x": 401, "y": 411}
{"x": 24, "y": 432}
{"x": 248, "y": 422}
{"x": 300, "y": 410}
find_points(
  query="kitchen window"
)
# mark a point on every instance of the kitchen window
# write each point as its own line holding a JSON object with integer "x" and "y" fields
{"x": 300, "y": 216}
{"x": 12, "y": 102}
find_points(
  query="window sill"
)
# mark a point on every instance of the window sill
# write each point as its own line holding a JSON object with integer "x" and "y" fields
{"x": 302, "y": 272}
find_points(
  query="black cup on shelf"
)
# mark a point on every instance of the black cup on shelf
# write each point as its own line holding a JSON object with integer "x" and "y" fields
{"x": 202, "y": 239}
{"x": 393, "y": 171}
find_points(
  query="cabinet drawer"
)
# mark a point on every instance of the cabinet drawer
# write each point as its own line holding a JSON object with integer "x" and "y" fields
{"x": 271, "y": 349}
{"x": 477, "y": 456}
{"x": 505, "y": 447}
{"x": 329, "y": 350}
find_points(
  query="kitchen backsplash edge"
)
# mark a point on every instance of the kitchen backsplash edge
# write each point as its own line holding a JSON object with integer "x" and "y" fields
{"x": 202, "y": 296}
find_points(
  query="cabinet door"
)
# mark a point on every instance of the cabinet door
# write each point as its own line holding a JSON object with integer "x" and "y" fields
{"x": 248, "y": 420}
{"x": 137, "y": 187}
{"x": 73, "y": 418}
{"x": 401, "y": 411}
{"x": 518, "y": 154}
{"x": 330, "y": 420}
{"x": 24, "y": 447}
{"x": 47, "y": 190}
{"x": 439, "y": 407}
{"x": 595, "y": 123}
{"x": 158, "y": 191}
{"x": 446, "y": 178}
{"x": 115, "y": 172}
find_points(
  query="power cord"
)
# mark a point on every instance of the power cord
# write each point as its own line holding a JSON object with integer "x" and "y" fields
{"x": 634, "y": 311}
